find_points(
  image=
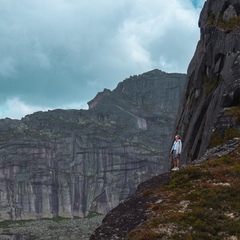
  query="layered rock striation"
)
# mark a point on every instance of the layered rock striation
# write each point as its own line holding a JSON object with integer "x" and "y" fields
{"x": 213, "y": 80}
{"x": 72, "y": 163}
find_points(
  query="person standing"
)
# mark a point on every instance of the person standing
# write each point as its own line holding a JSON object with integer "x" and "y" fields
{"x": 176, "y": 151}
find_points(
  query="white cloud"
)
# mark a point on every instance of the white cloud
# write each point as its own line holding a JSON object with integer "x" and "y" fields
{"x": 57, "y": 52}
{"x": 17, "y": 109}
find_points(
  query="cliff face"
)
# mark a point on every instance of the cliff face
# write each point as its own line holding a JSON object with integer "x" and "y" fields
{"x": 71, "y": 163}
{"x": 209, "y": 115}
{"x": 213, "y": 80}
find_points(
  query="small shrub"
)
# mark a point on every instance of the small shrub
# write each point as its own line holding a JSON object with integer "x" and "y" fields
{"x": 230, "y": 133}
{"x": 235, "y": 111}
{"x": 148, "y": 192}
{"x": 217, "y": 139}
{"x": 155, "y": 207}
{"x": 211, "y": 18}
{"x": 210, "y": 86}
{"x": 230, "y": 24}
{"x": 143, "y": 234}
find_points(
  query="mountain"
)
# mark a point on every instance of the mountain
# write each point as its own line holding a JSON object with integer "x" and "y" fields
{"x": 201, "y": 201}
{"x": 75, "y": 163}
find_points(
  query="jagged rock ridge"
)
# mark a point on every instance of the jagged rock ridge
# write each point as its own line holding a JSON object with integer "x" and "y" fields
{"x": 70, "y": 163}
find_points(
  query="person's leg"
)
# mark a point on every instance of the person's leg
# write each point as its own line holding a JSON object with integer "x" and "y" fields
{"x": 174, "y": 163}
{"x": 177, "y": 162}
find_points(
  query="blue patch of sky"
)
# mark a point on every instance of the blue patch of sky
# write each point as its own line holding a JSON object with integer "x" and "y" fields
{"x": 198, "y": 3}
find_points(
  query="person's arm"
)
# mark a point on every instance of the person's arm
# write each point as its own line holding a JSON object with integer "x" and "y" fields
{"x": 179, "y": 147}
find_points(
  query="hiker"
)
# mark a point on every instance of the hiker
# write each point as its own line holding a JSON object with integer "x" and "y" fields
{"x": 176, "y": 152}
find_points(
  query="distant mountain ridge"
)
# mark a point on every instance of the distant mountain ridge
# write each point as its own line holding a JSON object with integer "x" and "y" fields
{"x": 71, "y": 163}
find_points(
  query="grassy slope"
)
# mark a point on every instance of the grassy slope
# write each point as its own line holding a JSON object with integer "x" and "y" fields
{"x": 201, "y": 202}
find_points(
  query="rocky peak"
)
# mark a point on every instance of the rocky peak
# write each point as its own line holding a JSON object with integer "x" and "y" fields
{"x": 98, "y": 98}
{"x": 72, "y": 163}
{"x": 213, "y": 82}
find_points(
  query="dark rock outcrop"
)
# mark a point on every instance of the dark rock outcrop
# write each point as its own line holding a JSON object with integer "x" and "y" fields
{"x": 213, "y": 79}
{"x": 71, "y": 163}
{"x": 129, "y": 214}
{"x": 219, "y": 151}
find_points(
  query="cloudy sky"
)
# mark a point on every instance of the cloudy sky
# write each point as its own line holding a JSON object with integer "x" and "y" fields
{"x": 61, "y": 53}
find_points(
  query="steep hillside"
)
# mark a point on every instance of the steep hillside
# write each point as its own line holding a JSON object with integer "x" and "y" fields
{"x": 213, "y": 81}
{"x": 72, "y": 163}
{"x": 201, "y": 201}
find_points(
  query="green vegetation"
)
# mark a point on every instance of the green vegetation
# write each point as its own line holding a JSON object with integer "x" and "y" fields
{"x": 235, "y": 111}
{"x": 211, "y": 18}
{"x": 211, "y": 85}
{"x": 201, "y": 202}
{"x": 93, "y": 214}
{"x": 230, "y": 24}
{"x": 229, "y": 133}
{"x": 217, "y": 139}
{"x": 148, "y": 192}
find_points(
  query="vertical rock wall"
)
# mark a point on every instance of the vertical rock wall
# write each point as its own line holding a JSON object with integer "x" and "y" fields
{"x": 213, "y": 78}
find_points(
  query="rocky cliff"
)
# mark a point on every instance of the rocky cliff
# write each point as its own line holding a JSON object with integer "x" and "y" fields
{"x": 213, "y": 81}
{"x": 198, "y": 200}
{"x": 71, "y": 163}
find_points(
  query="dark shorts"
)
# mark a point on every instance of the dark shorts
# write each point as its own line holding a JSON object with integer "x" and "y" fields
{"x": 175, "y": 155}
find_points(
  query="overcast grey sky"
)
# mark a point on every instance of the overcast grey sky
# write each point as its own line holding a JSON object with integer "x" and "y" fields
{"x": 61, "y": 53}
